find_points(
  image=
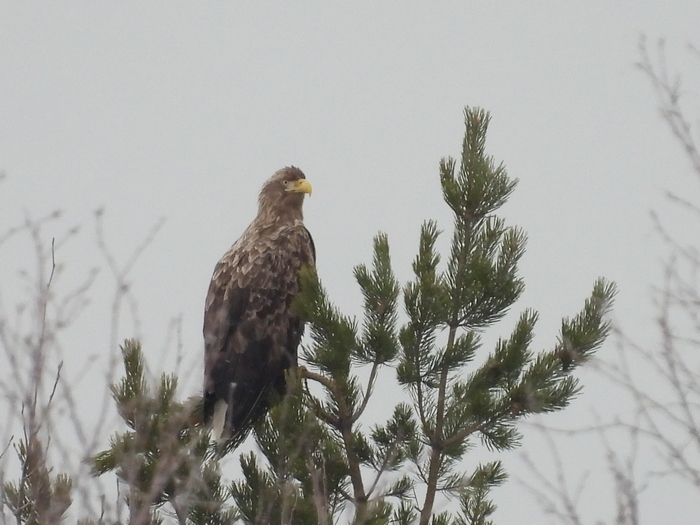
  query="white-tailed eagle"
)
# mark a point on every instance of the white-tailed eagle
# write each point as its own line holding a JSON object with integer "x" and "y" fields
{"x": 251, "y": 334}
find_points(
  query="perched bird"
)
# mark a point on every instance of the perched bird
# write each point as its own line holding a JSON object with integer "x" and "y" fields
{"x": 251, "y": 333}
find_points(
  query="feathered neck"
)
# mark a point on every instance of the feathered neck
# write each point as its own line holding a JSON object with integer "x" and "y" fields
{"x": 281, "y": 210}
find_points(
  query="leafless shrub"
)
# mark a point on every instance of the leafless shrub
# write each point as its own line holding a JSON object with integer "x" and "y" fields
{"x": 41, "y": 409}
{"x": 662, "y": 425}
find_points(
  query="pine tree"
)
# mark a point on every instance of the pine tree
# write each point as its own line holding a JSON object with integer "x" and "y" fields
{"x": 165, "y": 456}
{"x": 319, "y": 460}
{"x": 376, "y": 475}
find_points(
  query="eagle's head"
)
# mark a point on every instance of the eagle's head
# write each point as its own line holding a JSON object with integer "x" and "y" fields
{"x": 282, "y": 195}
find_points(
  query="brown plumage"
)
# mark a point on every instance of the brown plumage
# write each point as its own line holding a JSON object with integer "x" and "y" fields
{"x": 251, "y": 334}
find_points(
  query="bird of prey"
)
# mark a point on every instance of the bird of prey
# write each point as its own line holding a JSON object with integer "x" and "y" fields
{"x": 251, "y": 332}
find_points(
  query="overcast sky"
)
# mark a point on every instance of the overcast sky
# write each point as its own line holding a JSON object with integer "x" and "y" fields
{"x": 180, "y": 110}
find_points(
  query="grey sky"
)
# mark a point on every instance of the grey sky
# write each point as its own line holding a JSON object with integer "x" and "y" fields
{"x": 182, "y": 109}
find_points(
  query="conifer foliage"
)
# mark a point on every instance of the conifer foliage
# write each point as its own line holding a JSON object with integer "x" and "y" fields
{"x": 459, "y": 392}
{"x": 38, "y": 497}
{"x": 320, "y": 459}
{"x": 164, "y": 457}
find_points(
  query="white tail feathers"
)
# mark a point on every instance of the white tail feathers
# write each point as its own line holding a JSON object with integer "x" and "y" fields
{"x": 219, "y": 420}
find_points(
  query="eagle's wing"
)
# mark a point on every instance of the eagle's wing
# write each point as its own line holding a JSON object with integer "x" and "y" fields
{"x": 312, "y": 247}
{"x": 251, "y": 334}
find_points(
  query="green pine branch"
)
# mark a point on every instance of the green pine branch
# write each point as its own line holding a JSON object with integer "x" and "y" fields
{"x": 165, "y": 456}
{"x": 38, "y": 497}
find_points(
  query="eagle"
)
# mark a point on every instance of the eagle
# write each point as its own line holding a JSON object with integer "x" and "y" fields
{"x": 251, "y": 332}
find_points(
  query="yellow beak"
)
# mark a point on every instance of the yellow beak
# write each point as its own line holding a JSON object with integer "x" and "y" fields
{"x": 302, "y": 186}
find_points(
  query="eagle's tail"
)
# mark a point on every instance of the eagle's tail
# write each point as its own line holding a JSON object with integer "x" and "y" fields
{"x": 232, "y": 420}
{"x": 219, "y": 421}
